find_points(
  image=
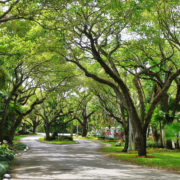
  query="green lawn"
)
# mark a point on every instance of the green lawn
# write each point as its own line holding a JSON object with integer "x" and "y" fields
{"x": 85, "y": 138}
{"x": 157, "y": 157}
{"x": 160, "y": 158}
{"x": 56, "y": 141}
{"x": 109, "y": 142}
{"x": 92, "y": 138}
{"x": 17, "y": 138}
{"x": 17, "y": 146}
{"x": 112, "y": 148}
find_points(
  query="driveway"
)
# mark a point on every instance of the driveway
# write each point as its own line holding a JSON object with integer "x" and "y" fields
{"x": 76, "y": 161}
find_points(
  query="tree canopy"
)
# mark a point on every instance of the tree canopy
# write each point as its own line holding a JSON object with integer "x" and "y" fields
{"x": 76, "y": 60}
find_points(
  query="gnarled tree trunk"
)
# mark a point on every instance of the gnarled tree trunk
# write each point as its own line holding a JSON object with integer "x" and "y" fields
{"x": 140, "y": 140}
{"x": 47, "y": 131}
{"x": 12, "y": 131}
{"x": 84, "y": 127}
{"x": 155, "y": 134}
{"x": 126, "y": 132}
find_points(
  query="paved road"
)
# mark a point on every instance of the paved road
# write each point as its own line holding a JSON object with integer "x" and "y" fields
{"x": 77, "y": 161}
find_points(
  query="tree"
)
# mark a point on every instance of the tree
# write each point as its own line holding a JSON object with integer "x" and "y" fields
{"x": 34, "y": 120}
{"x": 92, "y": 37}
{"x": 83, "y": 112}
{"x": 18, "y": 9}
{"x": 109, "y": 103}
{"x": 132, "y": 47}
{"x": 51, "y": 110}
{"x": 21, "y": 89}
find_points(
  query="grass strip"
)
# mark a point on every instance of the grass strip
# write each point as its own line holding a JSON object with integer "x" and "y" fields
{"x": 17, "y": 138}
{"x": 159, "y": 158}
{"x": 86, "y": 138}
{"x": 56, "y": 141}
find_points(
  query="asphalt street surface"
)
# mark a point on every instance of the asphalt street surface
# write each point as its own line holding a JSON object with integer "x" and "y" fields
{"x": 76, "y": 161}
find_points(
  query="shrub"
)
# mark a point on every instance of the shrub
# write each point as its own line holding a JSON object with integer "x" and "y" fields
{"x": 92, "y": 133}
{"x": 19, "y": 146}
{"x": 101, "y": 137}
{"x": 4, "y": 166}
{"x": 65, "y": 138}
{"x": 5, "y": 153}
{"x": 172, "y": 130}
{"x": 112, "y": 138}
{"x": 154, "y": 145}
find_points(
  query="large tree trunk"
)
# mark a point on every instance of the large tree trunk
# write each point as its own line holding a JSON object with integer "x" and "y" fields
{"x": 34, "y": 127}
{"x": 155, "y": 134}
{"x": 177, "y": 143}
{"x": 169, "y": 144}
{"x": 54, "y": 135}
{"x": 4, "y": 118}
{"x": 139, "y": 132}
{"x": 47, "y": 131}
{"x": 35, "y": 123}
{"x": 140, "y": 140}
{"x": 84, "y": 127}
{"x": 126, "y": 131}
{"x": 84, "y": 131}
{"x": 12, "y": 131}
{"x": 10, "y": 135}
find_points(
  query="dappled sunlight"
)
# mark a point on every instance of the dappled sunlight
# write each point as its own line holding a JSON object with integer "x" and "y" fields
{"x": 77, "y": 161}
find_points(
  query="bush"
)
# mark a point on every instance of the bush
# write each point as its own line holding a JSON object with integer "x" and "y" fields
{"x": 107, "y": 138}
{"x": 21, "y": 132}
{"x": 112, "y": 138}
{"x": 65, "y": 138}
{"x": 19, "y": 146}
{"x": 5, "y": 153}
{"x": 101, "y": 137}
{"x": 92, "y": 133}
{"x": 154, "y": 145}
{"x": 172, "y": 130}
{"x": 60, "y": 138}
{"x": 4, "y": 166}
